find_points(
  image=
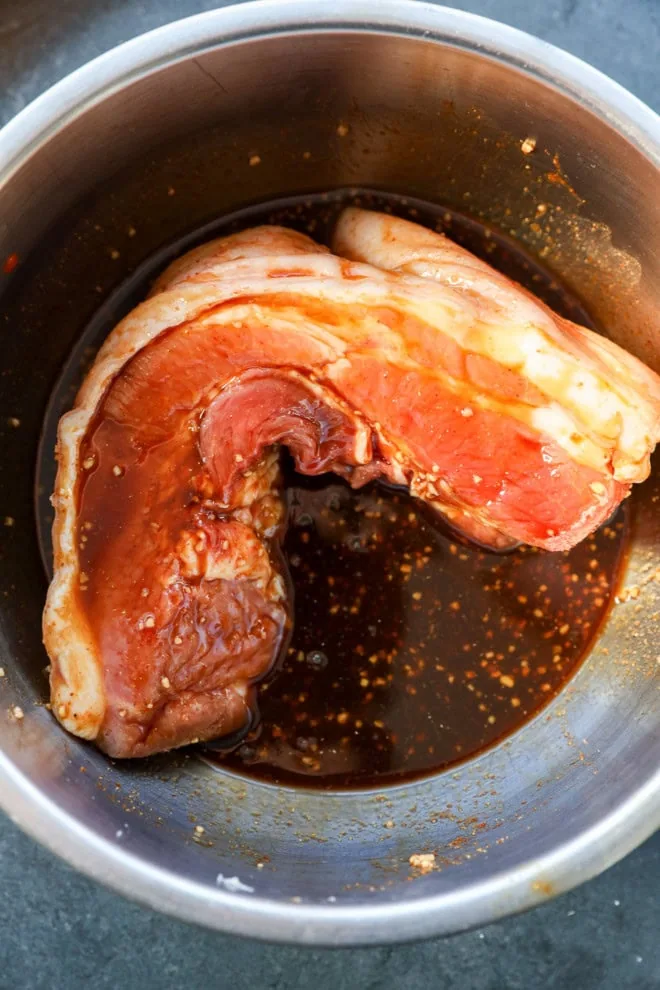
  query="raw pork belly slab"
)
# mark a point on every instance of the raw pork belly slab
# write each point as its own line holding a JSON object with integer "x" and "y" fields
{"x": 400, "y": 357}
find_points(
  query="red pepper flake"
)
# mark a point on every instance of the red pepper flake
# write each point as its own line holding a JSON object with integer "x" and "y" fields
{"x": 11, "y": 263}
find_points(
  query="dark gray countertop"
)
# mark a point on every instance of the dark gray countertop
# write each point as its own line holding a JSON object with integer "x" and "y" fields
{"x": 58, "y": 929}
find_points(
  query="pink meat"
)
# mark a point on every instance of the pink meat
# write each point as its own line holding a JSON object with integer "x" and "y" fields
{"x": 263, "y": 409}
{"x": 412, "y": 362}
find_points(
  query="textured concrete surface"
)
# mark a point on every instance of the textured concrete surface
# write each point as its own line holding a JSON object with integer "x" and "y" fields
{"x": 58, "y": 929}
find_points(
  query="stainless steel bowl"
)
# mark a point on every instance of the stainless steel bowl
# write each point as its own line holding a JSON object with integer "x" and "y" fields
{"x": 157, "y": 136}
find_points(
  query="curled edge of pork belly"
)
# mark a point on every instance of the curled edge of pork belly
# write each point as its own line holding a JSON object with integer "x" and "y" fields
{"x": 78, "y": 691}
{"x": 184, "y": 294}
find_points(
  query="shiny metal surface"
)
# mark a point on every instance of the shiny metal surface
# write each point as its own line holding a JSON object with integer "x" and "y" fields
{"x": 157, "y": 136}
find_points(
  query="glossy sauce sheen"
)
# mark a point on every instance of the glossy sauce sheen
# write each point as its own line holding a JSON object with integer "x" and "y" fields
{"x": 410, "y": 651}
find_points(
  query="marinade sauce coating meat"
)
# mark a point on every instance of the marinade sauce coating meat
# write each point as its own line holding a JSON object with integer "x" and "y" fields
{"x": 401, "y": 358}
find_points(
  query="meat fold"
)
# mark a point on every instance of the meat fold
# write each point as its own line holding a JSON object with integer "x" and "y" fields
{"x": 400, "y": 357}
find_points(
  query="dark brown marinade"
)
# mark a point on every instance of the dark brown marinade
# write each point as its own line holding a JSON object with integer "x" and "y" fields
{"x": 410, "y": 651}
